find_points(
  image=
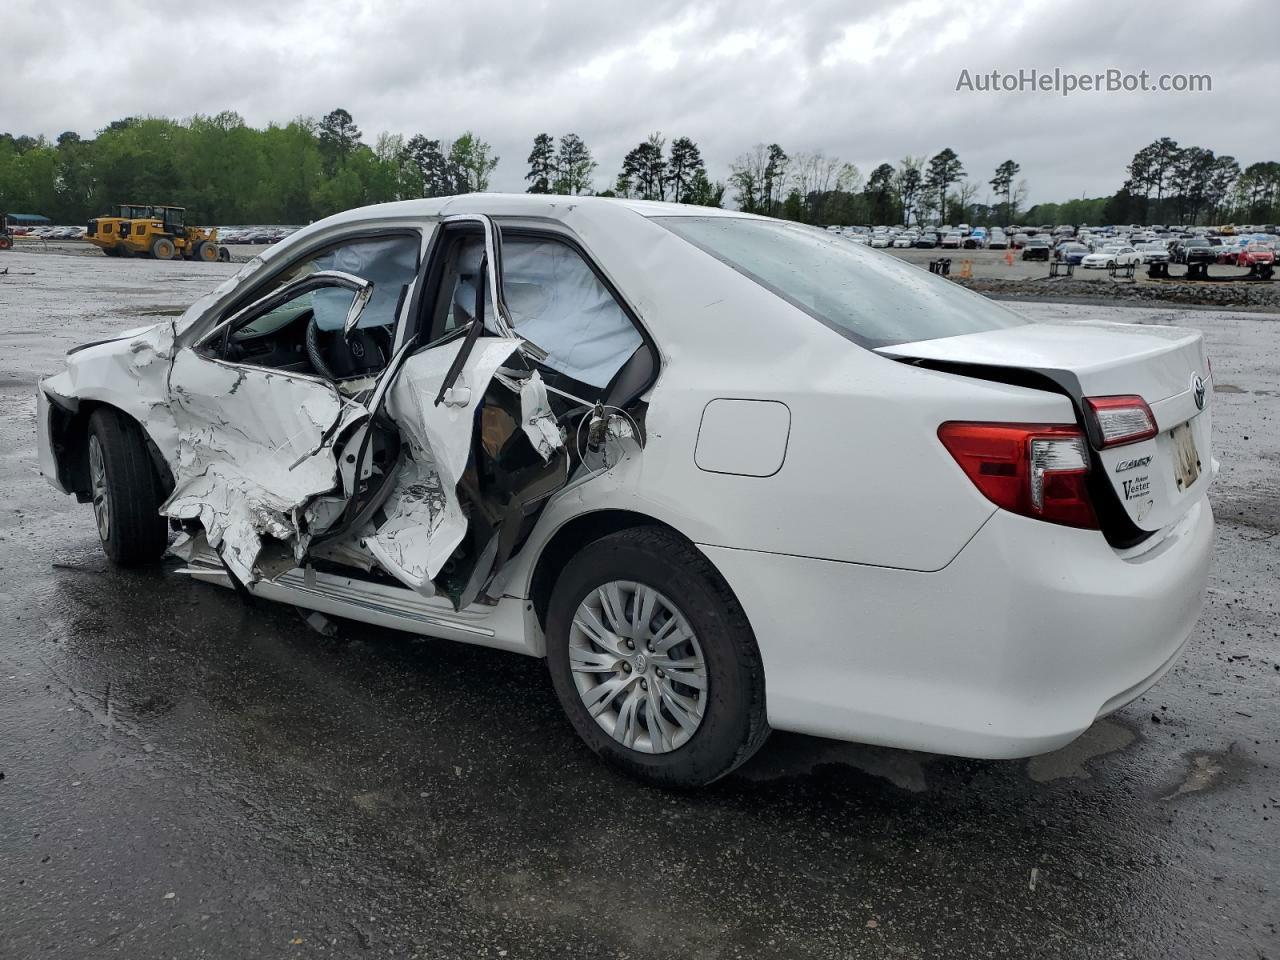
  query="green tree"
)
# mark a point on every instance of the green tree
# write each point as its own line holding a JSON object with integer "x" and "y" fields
{"x": 471, "y": 157}
{"x": 542, "y": 164}
{"x": 338, "y": 138}
{"x": 944, "y": 169}
{"x": 1002, "y": 184}
{"x": 704, "y": 193}
{"x": 908, "y": 182}
{"x": 437, "y": 175}
{"x": 879, "y": 192}
{"x": 683, "y": 166}
{"x": 574, "y": 165}
{"x": 644, "y": 170}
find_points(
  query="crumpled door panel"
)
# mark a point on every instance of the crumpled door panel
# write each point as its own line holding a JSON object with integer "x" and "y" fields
{"x": 254, "y": 448}
{"x": 425, "y": 522}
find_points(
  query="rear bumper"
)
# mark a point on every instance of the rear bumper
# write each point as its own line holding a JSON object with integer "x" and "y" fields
{"x": 1013, "y": 649}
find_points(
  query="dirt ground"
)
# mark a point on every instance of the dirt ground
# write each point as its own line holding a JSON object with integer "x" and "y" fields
{"x": 187, "y": 775}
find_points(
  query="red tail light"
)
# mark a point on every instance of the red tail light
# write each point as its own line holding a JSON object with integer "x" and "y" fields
{"x": 1034, "y": 470}
{"x": 1119, "y": 420}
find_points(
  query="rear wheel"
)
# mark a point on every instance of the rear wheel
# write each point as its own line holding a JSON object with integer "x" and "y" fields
{"x": 654, "y": 661}
{"x": 206, "y": 251}
{"x": 162, "y": 248}
{"x": 126, "y": 491}
{"x": 6, "y": 242}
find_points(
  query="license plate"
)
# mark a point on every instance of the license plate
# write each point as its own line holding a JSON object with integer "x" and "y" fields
{"x": 1186, "y": 459}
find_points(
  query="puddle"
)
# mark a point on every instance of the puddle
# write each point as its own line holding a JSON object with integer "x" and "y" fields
{"x": 1105, "y": 736}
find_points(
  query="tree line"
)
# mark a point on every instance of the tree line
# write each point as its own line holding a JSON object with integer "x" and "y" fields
{"x": 225, "y": 171}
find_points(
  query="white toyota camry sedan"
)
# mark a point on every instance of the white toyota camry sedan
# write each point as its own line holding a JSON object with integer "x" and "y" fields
{"x": 726, "y": 474}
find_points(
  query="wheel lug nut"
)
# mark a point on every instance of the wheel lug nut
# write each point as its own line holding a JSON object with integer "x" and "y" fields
{"x": 644, "y": 684}
{"x": 626, "y": 668}
{"x": 661, "y": 673}
{"x": 631, "y": 644}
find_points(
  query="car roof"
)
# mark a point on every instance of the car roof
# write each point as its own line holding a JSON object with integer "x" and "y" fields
{"x": 524, "y": 204}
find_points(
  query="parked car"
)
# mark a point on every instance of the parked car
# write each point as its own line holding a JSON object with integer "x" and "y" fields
{"x": 999, "y": 241}
{"x": 1230, "y": 251}
{"x": 1112, "y": 257}
{"x": 926, "y": 240}
{"x": 1019, "y": 240}
{"x": 903, "y": 241}
{"x": 439, "y": 416}
{"x": 1036, "y": 248}
{"x": 1256, "y": 254}
{"x": 1070, "y": 252}
{"x": 952, "y": 241}
{"x": 1153, "y": 252}
{"x": 1194, "y": 251}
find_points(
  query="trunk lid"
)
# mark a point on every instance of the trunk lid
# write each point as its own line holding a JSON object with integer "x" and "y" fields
{"x": 1154, "y": 481}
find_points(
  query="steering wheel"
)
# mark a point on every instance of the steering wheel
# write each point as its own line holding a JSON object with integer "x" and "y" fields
{"x": 337, "y": 357}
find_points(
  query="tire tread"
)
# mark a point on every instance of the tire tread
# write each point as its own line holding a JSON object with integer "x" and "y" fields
{"x": 139, "y": 534}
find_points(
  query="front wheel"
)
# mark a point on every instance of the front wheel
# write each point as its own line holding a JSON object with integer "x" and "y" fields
{"x": 163, "y": 249}
{"x": 654, "y": 661}
{"x": 126, "y": 491}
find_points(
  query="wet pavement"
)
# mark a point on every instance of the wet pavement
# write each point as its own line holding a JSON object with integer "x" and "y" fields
{"x": 187, "y": 775}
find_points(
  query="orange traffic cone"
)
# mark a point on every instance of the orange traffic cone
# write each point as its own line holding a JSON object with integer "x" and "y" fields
{"x": 1008, "y": 257}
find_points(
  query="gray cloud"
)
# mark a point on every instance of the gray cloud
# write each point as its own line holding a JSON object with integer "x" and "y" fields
{"x": 867, "y": 82}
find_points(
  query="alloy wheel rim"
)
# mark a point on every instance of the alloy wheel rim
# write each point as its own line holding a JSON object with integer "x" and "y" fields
{"x": 98, "y": 481}
{"x": 638, "y": 666}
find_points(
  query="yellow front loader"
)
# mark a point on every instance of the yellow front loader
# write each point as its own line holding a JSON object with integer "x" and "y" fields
{"x": 147, "y": 230}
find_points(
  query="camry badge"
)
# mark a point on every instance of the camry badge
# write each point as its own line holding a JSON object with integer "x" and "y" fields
{"x": 1124, "y": 465}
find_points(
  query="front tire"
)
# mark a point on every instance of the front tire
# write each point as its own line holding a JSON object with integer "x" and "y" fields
{"x": 126, "y": 491}
{"x": 653, "y": 660}
{"x": 163, "y": 249}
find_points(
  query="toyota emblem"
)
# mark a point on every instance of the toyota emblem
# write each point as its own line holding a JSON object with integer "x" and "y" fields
{"x": 1197, "y": 389}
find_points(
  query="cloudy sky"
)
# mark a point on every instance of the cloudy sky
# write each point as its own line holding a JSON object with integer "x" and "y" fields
{"x": 867, "y": 81}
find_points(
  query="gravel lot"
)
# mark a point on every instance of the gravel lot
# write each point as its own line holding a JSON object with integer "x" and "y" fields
{"x": 188, "y": 775}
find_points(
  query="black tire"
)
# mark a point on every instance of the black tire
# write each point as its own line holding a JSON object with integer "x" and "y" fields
{"x": 136, "y": 533}
{"x": 162, "y": 248}
{"x": 734, "y": 723}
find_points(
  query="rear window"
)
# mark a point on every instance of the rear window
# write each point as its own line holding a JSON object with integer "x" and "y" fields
{"x": 872, "y": 298}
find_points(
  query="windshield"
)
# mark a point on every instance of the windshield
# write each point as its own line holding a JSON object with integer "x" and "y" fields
{"x": 872, "y": 298}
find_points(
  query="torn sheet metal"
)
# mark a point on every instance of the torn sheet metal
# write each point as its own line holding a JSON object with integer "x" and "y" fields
{"x": 539, "y": 422}
{"x": 425, "y": 522}
{"x": 129, "y": 372}
{"x": 253, "y": 448}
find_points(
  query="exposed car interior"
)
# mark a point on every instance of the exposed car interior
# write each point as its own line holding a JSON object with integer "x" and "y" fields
{"x": 591, "y": 356}
{"x": 305, "y": 334}
{"x": 596, "y": 361}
